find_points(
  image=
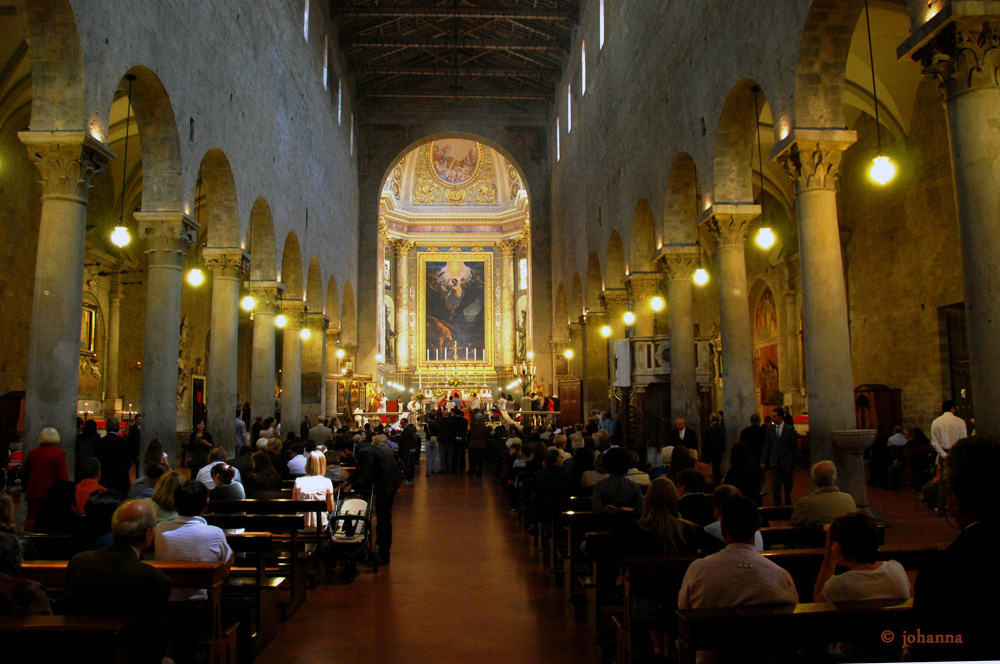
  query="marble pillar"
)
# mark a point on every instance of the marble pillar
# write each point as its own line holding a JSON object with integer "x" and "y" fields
{"x": 812, "y": 159}
{"x": 111, "y": 361}
{"x": 227, "y": 265}
{"x": 262, "y": 369}
{"x": 507, "y": 250}
{"x": 595, "y": 362}
{"x": 642, "y": 286}
{"x": 314, "y": 364}
{"x": 402, "y": 293}
{"x": 728, "y": 224}
{"x": 965, "y": 55}
{"x": 68, "y": 162}
{"x": 291, "y": 367}
{"x": 680, "y": 264}
{"x": 166, "y": 238}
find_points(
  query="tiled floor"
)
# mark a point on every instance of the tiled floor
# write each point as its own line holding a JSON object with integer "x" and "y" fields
{"x": 465, "y": 587}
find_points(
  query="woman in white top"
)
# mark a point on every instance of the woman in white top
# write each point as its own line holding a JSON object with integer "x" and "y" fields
{"x": 852, "y": 542}
{"x": 314, "y": 486}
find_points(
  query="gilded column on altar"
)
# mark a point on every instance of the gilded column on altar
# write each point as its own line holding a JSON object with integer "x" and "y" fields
{"x": 403, "y": 333}
{"x": 507, "y": 249}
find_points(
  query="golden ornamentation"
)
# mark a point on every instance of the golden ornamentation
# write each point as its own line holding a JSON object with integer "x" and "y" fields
{"x": 455, "y": 254}
{"x": 428, "y": 189}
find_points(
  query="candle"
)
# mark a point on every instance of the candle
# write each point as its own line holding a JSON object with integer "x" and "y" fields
{"x": 428, "y": 354}
{"x": 466, "y": 353}
{"x": 435, "y": 354}
{"x": 445, "y": 354}
{"x": 475, "y": 352}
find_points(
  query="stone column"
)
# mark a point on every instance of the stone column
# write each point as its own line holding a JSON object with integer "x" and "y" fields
{"x": 68, "y": 162}
{"x": 332, "y": 371}
{"x": 314, "y": 365}
{"x": 788, "y": 328}
{"x": 262, "y": 370}
{"x": 402, "y": 248}
{"x": 812, "y": 159}
{"x": 680, "y": 263}
{"x": 111, "y": 361}
{"x": 507, "y": 249}
{"x": 595, "y": 362}
{"x": 964, "y": 56}
{"x": 291, "y": 367}
{"x": 166, "y": 236}
{"x": 728, "y": 224}
{"x": 577, "y": 329}
{"x": 615, "y": 301}
{"x": 642, "y": 286}
{"x": 227, "y": 265}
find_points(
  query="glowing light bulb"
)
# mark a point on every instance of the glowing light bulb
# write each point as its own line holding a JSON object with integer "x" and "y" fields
{"x": 656, "y": 303}
{"x": 605, "y": 331}
{"x": 629, "y": 318}
{"x": 701, "y": 276}
{"x": 305, "y": 333}
{"x": 196, "y": 277}
{"x": 568, "y": 354}
{"x": 120, "y": 236}
{"x": 378, "y": 357}
{"x": 531, "y": 354}
{"x": 340, "y": 353}
{"x": 765, "y": 238}
{"x": 248, "y": 303}
{"x": 280, "y": 320}
{"x": 882, "y": 170}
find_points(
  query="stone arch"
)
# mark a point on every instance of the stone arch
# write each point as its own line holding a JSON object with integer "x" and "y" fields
{"x": 314, "y": 285}
{"x": 595, "y": 283}
{"x": 615, "y": 262}
{"x": 576, "y": 304}
{"x": 642, "y": 239}
{"x": 332, "y": 302}
{"x": 348, "y": 316}
{"x": 291, "y": 267}
{"x": 820, "y": 80}
{"x": 735, "y": 145}
{"x": 560, "y": 314}
{"x": 680, "y": 217}
{"x": 219, "y": 210}
{"x": 263, "y": 263}
{"x": 57, "y": 78}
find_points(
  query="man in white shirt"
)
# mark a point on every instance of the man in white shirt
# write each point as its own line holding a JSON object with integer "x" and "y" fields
{"x": 947, "y": 429}
{"x": 215, "y": 457}
{"x": 297, "y": 464}
{"x": 898, "y": 438}
{"x": 241, "y": 430}
{"x": 189, "y": 537}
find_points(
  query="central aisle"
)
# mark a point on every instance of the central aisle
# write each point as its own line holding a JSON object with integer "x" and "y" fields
{"x": 463, "y": 586}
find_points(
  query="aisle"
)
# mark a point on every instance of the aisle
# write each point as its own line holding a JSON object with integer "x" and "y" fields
{"x": 462, "y": 587}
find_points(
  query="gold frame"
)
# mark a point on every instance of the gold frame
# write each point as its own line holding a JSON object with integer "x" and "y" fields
{"x": 423, "y": 257}
{"x": 91, "y": 332}
{"x": 481, "y": 153}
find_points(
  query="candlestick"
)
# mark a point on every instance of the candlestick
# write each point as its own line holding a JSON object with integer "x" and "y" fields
{"x": 466, "y": 353}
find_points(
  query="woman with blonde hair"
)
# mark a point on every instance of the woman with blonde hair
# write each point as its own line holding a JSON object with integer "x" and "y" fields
{"x": 43, "y": 467}
{"x": 162, "y": 499}
{"x": 314, "y": 485}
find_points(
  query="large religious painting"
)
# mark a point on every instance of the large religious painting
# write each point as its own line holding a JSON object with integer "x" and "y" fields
{"x": 455, "y": 161}
{"x": 457, "y": 305}
{"x": 766, "y": 350}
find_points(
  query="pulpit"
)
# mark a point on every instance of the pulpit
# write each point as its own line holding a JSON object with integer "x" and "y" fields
{"x": 570, "y": 402}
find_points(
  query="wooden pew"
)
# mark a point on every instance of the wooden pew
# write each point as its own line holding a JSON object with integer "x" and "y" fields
{"x": 264, "y": 590}
{"x": 803, "y": 625}
{"x": 63, "y": 638}
{"x": 774, "y": 513}
{"x": 803, "y": 538}
{"x": 220, "y": 640}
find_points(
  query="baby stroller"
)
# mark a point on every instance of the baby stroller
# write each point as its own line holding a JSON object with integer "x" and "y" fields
{"x": 350, "y": 532}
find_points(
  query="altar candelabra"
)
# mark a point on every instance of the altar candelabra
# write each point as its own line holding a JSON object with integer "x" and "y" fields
{"x": 525, "y": 372}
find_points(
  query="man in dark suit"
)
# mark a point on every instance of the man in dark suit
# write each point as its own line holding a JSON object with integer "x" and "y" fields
{"x": 114, "y": 582}
{"x": 715, "y": 445}
{"x": 681, "y": 436}
{"x": 376, "y": 467}
{"x": 753, "y": 436}
{"x": 778, "y": 456}
{"x": 133, "y": 440}
{"x": 460, "y": 429}
{"x": 113, "y": 453}
{"x": 694, "y": 505}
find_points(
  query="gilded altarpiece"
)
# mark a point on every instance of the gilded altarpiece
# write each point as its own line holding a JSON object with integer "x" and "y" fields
{"x": 455, "y": 305}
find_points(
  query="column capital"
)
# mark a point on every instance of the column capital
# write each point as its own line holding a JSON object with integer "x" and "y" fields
{"x": 729, "y": 222}
{"x": 642, "y": 285}
{"x": 316, "y": 320}
{"x": 67, "y": 161}
{"x": 266, "y": 293}
{"x": 226, "y": 262}
{"x": 166, "y": 235}
{"x": 679, "y": 260}
{"x": 811, "y": 157}
{"x": 508, "y": 247}
{"x": 295, "y": 313}
{"x": 961, "y": 48}
{"x": 614, "y": 297}
{"x": 401, "y": 244}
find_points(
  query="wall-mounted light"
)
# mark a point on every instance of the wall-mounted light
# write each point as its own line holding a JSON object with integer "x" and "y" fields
{"x": 606, "y": 331}
{"x": 656, "y": 304}
{"x": 765, "y": 238}
{"x": 568, "y": 353}
{"x": 531, "y": 354}
{"x": 248, "y": 303}
{"x": 305, "y": 333}
{"x": 340, "y": 353}
{"x": 280, "y": 320}
{"x": 629, "y": 318}
{"x": 196, "y": 277}
{"x": 378, "y": 357}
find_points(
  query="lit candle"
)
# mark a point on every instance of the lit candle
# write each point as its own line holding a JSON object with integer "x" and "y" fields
{"x": 466, "y": 353}
{"x": 435, "y": 354}
{"x": 445, "y": 354}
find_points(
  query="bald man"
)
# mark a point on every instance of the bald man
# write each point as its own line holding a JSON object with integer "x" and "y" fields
{"x": 826, "y": 502}
{"x": 114, "y": 582}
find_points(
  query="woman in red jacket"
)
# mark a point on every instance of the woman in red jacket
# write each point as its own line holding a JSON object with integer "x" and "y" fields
{"x": 43, "y": 466}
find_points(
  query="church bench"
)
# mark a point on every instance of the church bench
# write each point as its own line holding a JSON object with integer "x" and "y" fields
{"x": 52, "y": 639}
{"x": 800, "y": 626}
{"x": 556, "y": 507}
{"x": 575, "y": 525}
{"x": 219, "y": 640}
{"x": 803, "y": 537}
{"x": 771, "y": 513}
{"x": 255, "y": 579}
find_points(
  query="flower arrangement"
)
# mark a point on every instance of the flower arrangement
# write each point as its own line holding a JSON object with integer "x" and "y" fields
{"x": 439, "y": 392}
{"x": 456, "y": 382}
{"x": 419, "y": 397}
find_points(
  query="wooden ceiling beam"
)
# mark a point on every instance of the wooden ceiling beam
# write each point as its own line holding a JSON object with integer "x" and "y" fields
{"x": 472, "y": 44}
{"x": 354, "y": 11}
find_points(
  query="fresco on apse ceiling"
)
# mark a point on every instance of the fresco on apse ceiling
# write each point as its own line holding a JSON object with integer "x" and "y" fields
{"x": 455, "y": 309}
{"x": 455, "y": 161}
{"x": 454, "y": 171}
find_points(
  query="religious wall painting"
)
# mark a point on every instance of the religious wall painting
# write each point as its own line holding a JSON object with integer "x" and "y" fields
{"x": 456, "y": 303}
{"x": 521, "y": 328}
{"x": 387, "y": 273}
{"x": 766, "y": 318}
{"x": 88, "y": 329}
{"x": 389, "y": 329}
{"x": 454, "y": 171}
{"x": 766, "y": 350}
{"x": 455, "y": 162}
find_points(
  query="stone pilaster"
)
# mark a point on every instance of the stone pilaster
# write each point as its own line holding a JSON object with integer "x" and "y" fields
{"x": 643, "y": 287}
{"x": 680, "y": 263}
{"x": 227, "y": 265}
{"x": 262, "y": 369}
{"x": 166, "y": 237}
{"x": 291, "y": 366}
{"x": 615, "y": 302}
{"x": 812, "y": 159}
{"x": 728, "y": 225}
{"x": 403, "y": 332}
{"x": 595, "y": 362}
{"x": 507, "y": 250}
{"x": 111, "y": 361}
{"x": 964, "y": 55}
{"x": 314, "y": 364}
{"x": 332, "y": 370}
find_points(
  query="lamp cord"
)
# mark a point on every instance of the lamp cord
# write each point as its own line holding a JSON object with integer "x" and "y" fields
{"x": 871, "y": 59}
{"x": 128, "y": 117}
{"x": 760, "y": 154}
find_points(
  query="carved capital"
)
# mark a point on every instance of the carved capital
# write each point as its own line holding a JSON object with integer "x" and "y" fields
{"x": 266, "y": 293}
{"x": 614, "y": 299}
{"x": 226, "y": 262}
{"x": 641, "y": 285}
{"x": 679, "y": 262}
{"x": 508, "y": 247}
{"x": 295, "y": 313}
{"x": 166, "y": 235}
{"x": 67, "y": 161}
{"x": 402, "y": 246}
{"x": 383, "y": 231}
{"x": 728, "y": 223}
{"x": 813, "y": 165}
{"x": 965, "y": 56}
